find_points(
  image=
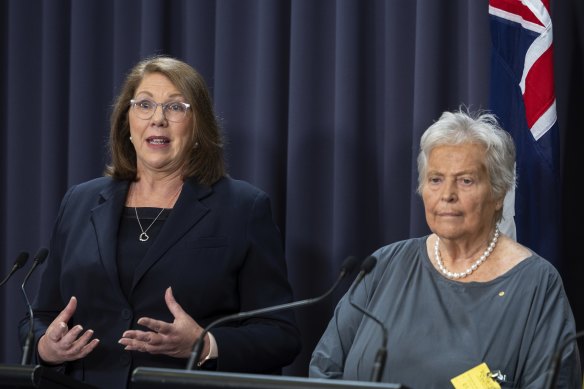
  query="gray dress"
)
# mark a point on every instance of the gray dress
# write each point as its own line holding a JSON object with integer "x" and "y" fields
{"x": 440, "y": 328}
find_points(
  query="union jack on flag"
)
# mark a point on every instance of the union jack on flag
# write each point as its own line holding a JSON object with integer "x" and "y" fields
{"x": 523, "y": 98}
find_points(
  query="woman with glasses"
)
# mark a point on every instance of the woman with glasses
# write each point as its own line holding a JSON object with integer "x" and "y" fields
{"x": 143, "y": 259}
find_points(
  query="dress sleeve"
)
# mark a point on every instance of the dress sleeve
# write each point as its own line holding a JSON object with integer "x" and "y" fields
{"x": 554, "y": 326}
{"x": 330, "y": 354}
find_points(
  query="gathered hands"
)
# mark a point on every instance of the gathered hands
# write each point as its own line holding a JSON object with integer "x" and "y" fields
{"x": 60, "y": 344}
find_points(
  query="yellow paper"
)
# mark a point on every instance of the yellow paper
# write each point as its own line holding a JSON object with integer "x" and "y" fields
{"x": 476, "y": 378}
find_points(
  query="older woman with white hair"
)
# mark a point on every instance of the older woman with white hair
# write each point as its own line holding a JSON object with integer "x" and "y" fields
{"x": 465, "y": 303}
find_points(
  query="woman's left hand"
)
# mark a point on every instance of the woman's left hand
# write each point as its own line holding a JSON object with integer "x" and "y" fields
{"x": 175, "y": 339}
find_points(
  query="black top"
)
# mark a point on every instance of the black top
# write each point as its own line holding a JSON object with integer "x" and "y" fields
{"x": 131, "y": 249}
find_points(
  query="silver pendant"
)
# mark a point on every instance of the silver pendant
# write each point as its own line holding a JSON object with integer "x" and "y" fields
{"x": 143, "y": 237}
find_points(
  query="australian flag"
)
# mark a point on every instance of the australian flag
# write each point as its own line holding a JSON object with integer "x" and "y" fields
{"x": 523, "y": 98}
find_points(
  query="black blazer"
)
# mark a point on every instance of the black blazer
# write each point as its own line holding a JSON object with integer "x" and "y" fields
{"x": 219, "y": 249}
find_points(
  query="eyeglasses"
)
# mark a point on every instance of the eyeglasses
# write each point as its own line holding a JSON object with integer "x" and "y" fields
{"x": 174, "y": 111}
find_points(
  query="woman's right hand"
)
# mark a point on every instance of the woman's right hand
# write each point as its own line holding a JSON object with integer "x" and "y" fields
{"x": 60, "y": 344}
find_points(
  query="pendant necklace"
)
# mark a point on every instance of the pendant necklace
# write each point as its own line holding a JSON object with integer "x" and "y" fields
{"x": 473, "y": 267}
{"x": 143, "y": 237}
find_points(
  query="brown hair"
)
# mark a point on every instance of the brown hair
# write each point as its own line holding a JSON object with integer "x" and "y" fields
{"x": 203, "y": 157}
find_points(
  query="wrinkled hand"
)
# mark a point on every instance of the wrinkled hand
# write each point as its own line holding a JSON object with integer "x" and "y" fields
{"x": 175, "y": 339}
{"x": 60, "y": 344}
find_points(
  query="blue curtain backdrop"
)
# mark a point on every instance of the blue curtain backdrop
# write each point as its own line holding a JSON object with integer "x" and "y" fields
{"x": 322, "y": 103}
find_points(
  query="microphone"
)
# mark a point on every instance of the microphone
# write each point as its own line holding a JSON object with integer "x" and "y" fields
{"x": 39, "y": 258}
{"x": 556, "y": 360}
{"x": 346, "y": 267}
{"x": 377, "y": 373}
{"x": 18, "y": 263}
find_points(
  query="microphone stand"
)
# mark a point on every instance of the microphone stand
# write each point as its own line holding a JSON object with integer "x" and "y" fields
{"x": 346, "y": 267}
{"x": 381, "y": 356}
{"x": 29, "y": 337}
{"x": 38, "y": 259}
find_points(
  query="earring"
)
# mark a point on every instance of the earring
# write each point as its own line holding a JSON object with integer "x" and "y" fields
{"x": 130, "y": 139}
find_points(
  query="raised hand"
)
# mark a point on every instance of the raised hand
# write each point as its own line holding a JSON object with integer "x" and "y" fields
{"x": 175, "y": 339}
{"x": 60, "y": 344}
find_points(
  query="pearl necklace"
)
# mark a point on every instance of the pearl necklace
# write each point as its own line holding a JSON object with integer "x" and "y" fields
{"x": 144, "y": 236}
{"x": 473, "y": 267}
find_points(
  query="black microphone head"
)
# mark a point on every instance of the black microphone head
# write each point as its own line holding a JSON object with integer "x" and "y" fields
{"x": 21, "y": 260}
{"x": 349, "y": 264}
{"x": 41, "y": 255}
{"x": 368, "y": 264}
{"x": 18, "y": 263}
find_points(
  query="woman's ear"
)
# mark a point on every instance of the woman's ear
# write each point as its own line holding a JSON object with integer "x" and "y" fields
{"x": 499, "y": 204}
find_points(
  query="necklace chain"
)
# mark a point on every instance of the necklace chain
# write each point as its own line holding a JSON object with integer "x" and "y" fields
{"x": 143, "y": 237}
{"x": 473, "y": 267}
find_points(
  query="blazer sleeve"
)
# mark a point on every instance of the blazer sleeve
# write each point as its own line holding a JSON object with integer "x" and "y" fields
{"x": 260, "y": 344}
{"x": 48, "y": 301}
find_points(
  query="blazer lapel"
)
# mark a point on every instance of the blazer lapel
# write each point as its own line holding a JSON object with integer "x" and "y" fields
{"x": 187, "y": 212}
{"x": 106, "y": 220}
